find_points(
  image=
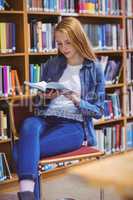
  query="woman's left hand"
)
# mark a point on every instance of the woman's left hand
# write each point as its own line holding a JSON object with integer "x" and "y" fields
{"x": 74, "y": 97}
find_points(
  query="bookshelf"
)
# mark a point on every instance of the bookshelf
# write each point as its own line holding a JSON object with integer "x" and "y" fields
{"x": 22, "y": 13}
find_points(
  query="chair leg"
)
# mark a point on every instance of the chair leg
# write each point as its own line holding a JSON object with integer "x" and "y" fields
{"x": 42, "y": 195}
{"x": 101, "y": 193}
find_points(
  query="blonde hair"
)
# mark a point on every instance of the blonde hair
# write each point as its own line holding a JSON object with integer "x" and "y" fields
{"x": 73, "y": 28}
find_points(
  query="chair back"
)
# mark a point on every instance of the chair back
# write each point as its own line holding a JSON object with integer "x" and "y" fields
{"x": 18, "y": 111}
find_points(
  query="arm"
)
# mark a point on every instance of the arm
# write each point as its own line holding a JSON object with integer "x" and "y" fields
{"x": 96, "y": 109}
{"x": 92, "y": 108}
{"x": 46, "y": 76}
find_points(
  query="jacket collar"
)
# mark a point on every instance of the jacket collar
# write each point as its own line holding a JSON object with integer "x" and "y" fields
{"x": 87, "y": 63}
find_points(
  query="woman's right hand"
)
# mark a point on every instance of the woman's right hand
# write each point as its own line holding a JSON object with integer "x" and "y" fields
{"x": 49, "y": 94}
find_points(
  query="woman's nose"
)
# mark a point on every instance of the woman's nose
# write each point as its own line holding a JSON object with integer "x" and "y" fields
{"x": 63, "y": 47}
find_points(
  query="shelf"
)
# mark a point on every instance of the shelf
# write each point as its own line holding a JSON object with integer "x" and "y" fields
{"x": 17, "y": 97}
{"x": 129, "y": 17}
{"x": 61, "y": 169}
{"x": 43, "y": 53}
{"x": 100, "y": 16}
{"x": 11, "y": 12}
{"x": 11, "y": 54}
{"x": 130, "y": 118}
{"x": 58, "y": 13}
{"x": 131, "y": 83}
{"x": 106, "y": 51}
{"x": 43, "y": 13}
{"x": 114, "y": 85}
{"x": 129, "y": 50}
{"x": 70, "y": 14}
{"x": 5, "y": 141}
{"x": 9, "y": 181}
{"x": 103, "y": 122}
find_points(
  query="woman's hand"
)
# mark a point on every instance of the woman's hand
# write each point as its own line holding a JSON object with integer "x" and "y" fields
{"x": 50, "y": 94}
{"x": 73, "y": 96}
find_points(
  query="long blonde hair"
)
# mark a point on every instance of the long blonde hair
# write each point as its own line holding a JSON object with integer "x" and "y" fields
{"x": 73, "y": 28}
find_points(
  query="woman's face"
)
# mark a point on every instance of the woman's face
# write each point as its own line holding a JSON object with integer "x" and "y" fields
{"x": 64, "y": 45}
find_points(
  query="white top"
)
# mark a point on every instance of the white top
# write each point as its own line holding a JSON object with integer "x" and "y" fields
{"x": 71, "y": 80}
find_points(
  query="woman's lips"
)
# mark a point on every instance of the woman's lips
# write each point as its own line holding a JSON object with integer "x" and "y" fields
{"x": 66, "y": 53}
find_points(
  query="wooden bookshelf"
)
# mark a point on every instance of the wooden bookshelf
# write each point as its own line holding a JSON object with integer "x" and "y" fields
{"x": 21, "y": 58}
{"x": 5, "y": 141}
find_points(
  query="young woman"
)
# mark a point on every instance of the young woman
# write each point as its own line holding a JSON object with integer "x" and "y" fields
{"x": 66, "y": 122}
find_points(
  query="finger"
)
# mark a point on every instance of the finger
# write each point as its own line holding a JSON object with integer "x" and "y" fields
{"x": 51, "y": 92}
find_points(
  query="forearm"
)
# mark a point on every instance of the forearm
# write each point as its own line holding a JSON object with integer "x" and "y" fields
{"x": 91, "y": 110}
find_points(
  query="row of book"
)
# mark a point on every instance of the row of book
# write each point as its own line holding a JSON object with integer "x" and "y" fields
{"x": 110, "y": 139}
{"x": 7, "y": 37}
{"x": 129, "y": 135}
{"x": 35, "y": 72}
{"x": 112, "y": 108}
{"x": 102, "y": 36}
{"x": 3, "y": 125}
{"x": 112, "y": 69}
{"x": 52, "y": 5}
{"x": 129, "y": 69}
{"x": 105, "y": 36}
{"x": 9, "y": 81}
{"x": 104, "y": 7}
{"x": 110, "y": 7}
{"x": 4, "y": 5}
{"x": 129, "y": 33}
{"x": 129, "y": 7}
{"x": 41, "y": 36}
{"x": 5, "y": 172}
{"x": 129, "y": 101}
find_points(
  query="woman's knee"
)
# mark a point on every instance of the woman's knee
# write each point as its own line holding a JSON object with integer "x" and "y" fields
{"x": 32, "y": 125}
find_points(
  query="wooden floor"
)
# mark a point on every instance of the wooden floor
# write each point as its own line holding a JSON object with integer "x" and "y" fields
{"x": 8, "y": 196}
{"x": 67, "y": 187}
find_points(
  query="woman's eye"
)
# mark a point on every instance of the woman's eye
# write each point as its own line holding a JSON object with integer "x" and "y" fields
{"x": 68, "y": 43}
{"x": 59, "y": 44}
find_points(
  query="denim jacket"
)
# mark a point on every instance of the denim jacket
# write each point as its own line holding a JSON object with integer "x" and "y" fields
{"x": 92, "y": 90}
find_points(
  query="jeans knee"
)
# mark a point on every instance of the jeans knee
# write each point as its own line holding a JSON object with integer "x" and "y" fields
{"x": 31, "y": 125}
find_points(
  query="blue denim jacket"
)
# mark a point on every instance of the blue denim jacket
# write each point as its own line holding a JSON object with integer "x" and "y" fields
{"x": 92, "y": 90}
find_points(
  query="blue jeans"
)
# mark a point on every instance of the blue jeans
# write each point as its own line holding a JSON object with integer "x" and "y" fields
{"x": 44, "y": 137}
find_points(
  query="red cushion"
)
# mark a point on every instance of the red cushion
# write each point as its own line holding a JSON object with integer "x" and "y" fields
{"x": 84, "y": 151}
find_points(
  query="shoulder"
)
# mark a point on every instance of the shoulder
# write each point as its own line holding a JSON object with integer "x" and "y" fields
{"x": 55, "y": 60}
{"x": 97, "y": 65}
{"x": 96, "y": 69}
{"x": 99, "y": 71}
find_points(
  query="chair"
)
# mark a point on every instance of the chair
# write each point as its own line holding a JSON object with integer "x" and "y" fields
{"x": 21, "y": 109}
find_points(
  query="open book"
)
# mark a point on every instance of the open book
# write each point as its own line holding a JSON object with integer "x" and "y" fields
{"x": 43, "y": 86}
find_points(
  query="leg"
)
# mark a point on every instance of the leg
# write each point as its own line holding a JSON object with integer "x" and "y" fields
{"x": 29, "y": 147}
{"x": 64, "y": 137}
{"x": 27, "y": 155}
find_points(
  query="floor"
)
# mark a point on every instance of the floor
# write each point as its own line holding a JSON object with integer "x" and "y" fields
{"x": 68, "y": 186}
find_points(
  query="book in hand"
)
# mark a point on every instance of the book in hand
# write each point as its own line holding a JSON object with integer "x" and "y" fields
{"x": 44, "y": 86}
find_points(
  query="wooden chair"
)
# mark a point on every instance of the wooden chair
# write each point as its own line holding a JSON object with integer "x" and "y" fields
{"x": 21, "y": 109}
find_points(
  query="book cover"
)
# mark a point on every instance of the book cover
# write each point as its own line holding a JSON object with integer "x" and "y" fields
{"x": 43, "y": 86}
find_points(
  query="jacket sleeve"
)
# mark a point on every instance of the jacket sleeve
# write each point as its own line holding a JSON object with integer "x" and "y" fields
{"x": 96, "y": 108}
{"x": 44, "y": 71}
